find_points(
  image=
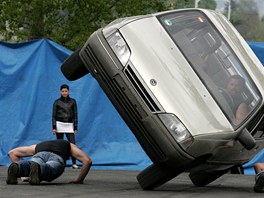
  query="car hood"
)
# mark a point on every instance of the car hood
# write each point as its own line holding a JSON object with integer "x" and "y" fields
{"x": 178, "y": 89}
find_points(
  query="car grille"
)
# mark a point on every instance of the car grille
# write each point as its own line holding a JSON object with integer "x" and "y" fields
{"x": 130, "y": 74}
{"x": 142, "y": 134}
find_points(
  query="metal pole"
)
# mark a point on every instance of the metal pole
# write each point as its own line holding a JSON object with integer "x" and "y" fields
{"x": 229, "y": 10}
{"x": 196, "y": 3}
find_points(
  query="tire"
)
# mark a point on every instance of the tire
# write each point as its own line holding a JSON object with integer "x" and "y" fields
{"x": 203, "y": 178}
{"x": 153, "y": 176}
{"x": 73, "y": 67}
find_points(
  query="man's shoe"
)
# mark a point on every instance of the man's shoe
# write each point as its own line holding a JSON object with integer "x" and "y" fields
{"x": 259, "y": 185}
{"x": 12, "y": 174}
{"x": 34, "y": 174}
{"x": 74, "y": 166}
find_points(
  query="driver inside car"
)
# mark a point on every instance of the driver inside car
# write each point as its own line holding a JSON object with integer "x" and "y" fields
{"x": 235, "y": 88}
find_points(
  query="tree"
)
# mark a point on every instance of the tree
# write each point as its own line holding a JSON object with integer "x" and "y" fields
{"x": 27, "y": 18}
{"x": 246, "y": 20}
{"x": 68, "y": 22}
{"x": 208, "y": 4}
{"x": 71, "y": 22}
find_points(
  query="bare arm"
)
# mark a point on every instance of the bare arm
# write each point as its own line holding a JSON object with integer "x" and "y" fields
{"x": 19, "y": 152}
{"x": 258, "y": 167}
{"x": 241, "y": 112}
{"x": 86, "y": 163}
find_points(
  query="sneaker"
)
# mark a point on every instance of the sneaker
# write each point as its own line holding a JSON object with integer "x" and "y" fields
{"x": 74, "y": 166}
{"x": 12, "y": 174}
{"x": 259, "y": 185}
{"x": 34, "y": 174}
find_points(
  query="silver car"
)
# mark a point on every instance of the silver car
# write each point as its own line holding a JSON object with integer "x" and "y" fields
{"x": 188, "y": 86}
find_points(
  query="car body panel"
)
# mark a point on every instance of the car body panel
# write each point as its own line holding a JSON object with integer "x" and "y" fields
{"x": 156, "y": 71}
{"x": 173, "y": 69}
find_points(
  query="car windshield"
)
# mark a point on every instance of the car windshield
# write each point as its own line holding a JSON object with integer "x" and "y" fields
{"x": 214, "y": 62}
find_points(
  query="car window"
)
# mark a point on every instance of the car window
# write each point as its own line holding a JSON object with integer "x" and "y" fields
{"x": 214, "y": 62}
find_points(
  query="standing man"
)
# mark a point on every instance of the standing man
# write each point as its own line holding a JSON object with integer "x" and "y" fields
{"x": 47, "y": 163}
{"x": 65, "y": 118}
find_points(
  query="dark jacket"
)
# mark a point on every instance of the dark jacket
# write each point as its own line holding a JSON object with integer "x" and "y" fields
{"x": 65, "y": 110}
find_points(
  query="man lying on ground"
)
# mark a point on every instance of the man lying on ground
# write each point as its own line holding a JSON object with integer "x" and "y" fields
{"x": 47, "y": 163}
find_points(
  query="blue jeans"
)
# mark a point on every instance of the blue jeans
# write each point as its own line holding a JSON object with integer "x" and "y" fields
{"x": 51, "y": 166}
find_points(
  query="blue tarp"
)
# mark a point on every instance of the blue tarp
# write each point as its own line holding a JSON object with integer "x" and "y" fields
{"x": 258, "y": 48}
{"x": 30, "y": 79}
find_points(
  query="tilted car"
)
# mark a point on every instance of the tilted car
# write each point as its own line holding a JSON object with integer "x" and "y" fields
{"x": 167, "y": 75}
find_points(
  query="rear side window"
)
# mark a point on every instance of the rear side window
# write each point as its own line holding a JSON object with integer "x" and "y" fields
{"x": 214, "y": 62}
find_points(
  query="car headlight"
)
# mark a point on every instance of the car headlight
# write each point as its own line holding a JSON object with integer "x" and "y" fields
{"x": 175, "y": 127}
{"x": 119, "y": 47}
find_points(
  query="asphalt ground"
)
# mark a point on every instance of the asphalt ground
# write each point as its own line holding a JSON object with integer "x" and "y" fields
{"x": 111, "y": 183}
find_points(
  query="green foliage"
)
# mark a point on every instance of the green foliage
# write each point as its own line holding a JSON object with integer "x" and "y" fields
{"x": 70, "y": 22}
{"x": 245, "y": 17}
{"x": 67, "y": 22}
{"x": 208, "y": 4}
